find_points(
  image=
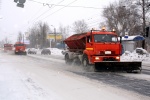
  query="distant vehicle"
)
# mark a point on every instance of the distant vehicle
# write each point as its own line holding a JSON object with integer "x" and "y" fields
{"x": 140, "y": 51}
{"x": 32, "y": 51}
{"x": 20, "y": 48}
{"x": 8, "y": 47}
{"x": 45, "y": 52}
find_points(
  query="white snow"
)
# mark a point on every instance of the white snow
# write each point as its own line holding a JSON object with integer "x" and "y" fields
{"x": 15, "y": 84}
{"x": 133, "y": 56}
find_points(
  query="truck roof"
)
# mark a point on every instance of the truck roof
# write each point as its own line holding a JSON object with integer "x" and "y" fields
{"x": 19, "y": 43}
{"x": 82, "y": 35}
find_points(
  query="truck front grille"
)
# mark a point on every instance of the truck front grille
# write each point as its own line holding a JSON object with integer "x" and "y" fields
{"x": 109, "y": 59}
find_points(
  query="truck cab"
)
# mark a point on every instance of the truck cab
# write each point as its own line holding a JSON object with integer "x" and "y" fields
{"x": 102, "y": 46}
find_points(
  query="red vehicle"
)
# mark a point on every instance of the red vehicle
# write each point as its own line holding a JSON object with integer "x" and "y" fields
{"x": 20, "y": 48}
{"x": 100, "y": 48}
{"x": 8, "y": 47}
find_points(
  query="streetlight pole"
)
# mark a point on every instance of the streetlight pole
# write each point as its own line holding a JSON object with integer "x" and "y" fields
{"x": 143, "y": 9}
{"x": 23, "y": 37}
{"x": 55, "y": 34}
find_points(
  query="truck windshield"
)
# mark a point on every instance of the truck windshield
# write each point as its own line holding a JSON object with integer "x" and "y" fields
{"x": 105, "y": 38}
{"x": 19, "y": 44}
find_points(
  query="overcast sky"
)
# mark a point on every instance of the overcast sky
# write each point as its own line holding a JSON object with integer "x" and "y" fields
{"x": 14, "y": 19}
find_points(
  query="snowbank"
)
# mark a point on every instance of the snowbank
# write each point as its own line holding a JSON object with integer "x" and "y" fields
{"x": 143, "y": 55}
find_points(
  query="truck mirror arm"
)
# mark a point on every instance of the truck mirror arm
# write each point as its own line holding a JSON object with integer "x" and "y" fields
{"x": 91, "y": 43}
{"x": 120, "y": 39}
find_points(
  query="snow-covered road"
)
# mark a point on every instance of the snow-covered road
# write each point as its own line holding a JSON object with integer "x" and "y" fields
{"x": 27, "y": 78}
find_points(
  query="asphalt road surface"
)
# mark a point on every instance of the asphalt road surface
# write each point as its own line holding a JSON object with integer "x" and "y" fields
{"x": 47, "y": 76}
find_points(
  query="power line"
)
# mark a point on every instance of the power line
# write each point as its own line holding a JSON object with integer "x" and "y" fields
{"x": 60, "y": 9}
{"x": 44, "y": 13}
{"x": 53, "y": 5}
{"x": 37, "y": 12}
{"x": 65, "y": 5}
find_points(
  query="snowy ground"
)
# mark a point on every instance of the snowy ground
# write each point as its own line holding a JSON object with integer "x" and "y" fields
{"x": 22, "y": 78}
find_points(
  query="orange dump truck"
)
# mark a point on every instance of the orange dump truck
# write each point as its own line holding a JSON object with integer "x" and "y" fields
{"x": 8, "y": 47}
{"x": 20, "y": 48}
{"x": 99, "y": 50}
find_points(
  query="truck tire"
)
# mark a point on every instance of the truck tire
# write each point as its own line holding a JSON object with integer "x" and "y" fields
{"x": 77, "y": 62}
{"x": 85, "y": 61}
{"x": 67, "y": 60}
{"x": 88, "y": 67}
{"x": 25, "y": 53}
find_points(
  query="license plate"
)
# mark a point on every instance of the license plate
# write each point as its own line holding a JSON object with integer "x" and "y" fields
{"x": 107, "y": 52}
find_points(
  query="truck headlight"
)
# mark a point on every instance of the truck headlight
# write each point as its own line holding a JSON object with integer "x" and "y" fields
{"x": 96, "y": 58}
{"x": 117, "y": 57}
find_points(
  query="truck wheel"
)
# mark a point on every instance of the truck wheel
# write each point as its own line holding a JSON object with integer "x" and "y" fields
{"x": 25, "y": 53}
{"x": 86, "y": 65}
{"x": 85, "y": 62}
{"x": 67, "y": 60}
{"x": 77, "y": 62}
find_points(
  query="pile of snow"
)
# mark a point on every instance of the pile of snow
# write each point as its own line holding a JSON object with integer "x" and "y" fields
{"x": 134, "y": 56}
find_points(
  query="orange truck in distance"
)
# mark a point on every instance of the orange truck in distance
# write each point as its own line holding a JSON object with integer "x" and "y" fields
{"x": 8, "y": 47}
{"x": 98, "y": 50}
{"x": 20, "y": 48}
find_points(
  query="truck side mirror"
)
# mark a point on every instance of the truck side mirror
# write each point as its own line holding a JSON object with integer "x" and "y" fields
{"x": 120, "y": 39}
{"x": 147, "y": 30}
{"x": 91, "y": 43}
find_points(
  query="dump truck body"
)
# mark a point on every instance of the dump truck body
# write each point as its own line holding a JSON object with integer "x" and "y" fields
{"x": 100, "y": 48}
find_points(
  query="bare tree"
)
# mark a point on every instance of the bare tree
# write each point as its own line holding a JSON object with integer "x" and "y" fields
{"x": 38, "y": 35}
{"x": 64, "y": 31}
{"x": 122, "y": 18}
{"x": 32, "y": 36}
{"x": 80, "y": 26}
{"x": 4, "y": 41}
{"x": 20, "y": 37}
{"x": 43, "y": 31}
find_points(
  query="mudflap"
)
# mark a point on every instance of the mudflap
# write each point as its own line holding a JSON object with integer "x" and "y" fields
{"x": 135, "y": 66}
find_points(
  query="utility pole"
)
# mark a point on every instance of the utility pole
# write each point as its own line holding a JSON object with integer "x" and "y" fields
{"x": 55, "y": 34}
{"x": 23, "y": 37}
{"x": 143, "y": 9}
